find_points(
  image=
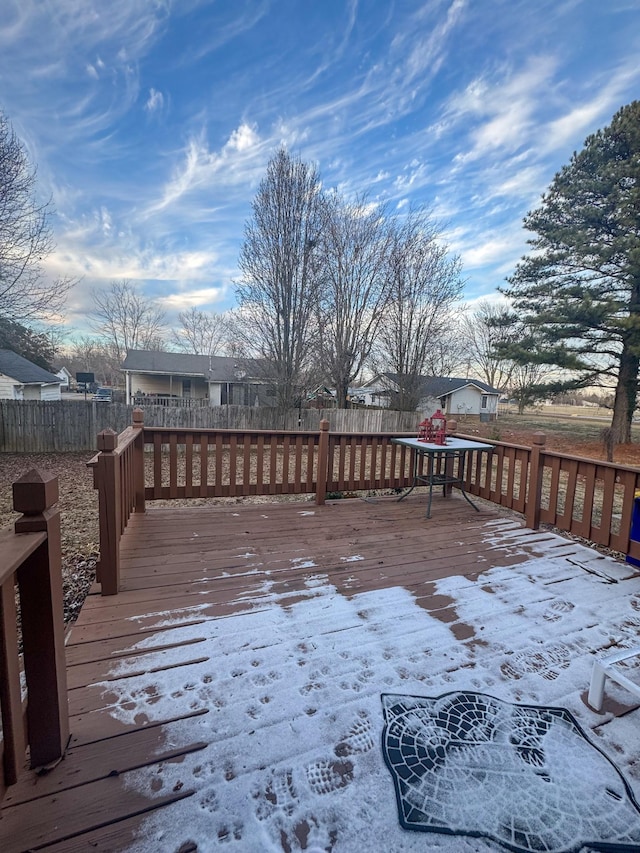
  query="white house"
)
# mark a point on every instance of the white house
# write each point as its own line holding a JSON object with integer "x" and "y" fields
{"x": 457, "y": 398}
{"x": 184, "y": 379}
{"x": 65, "y": 378}
{"x": 21, "y": 379}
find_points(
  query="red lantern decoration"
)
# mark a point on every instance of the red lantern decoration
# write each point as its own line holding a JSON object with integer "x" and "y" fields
{"x": 433, "y": 430}
{"x": 424, "y": 430}
{"x": 439, "y": 428}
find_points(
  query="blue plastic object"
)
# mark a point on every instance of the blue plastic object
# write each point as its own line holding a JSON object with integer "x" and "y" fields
{"x": 634, "y": 534}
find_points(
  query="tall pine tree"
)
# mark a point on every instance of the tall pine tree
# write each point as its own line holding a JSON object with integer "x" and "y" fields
{"x": 580, "y": 284}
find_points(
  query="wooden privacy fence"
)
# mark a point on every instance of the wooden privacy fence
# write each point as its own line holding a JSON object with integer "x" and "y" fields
{"x": 32, "y": 426}
{"x": 585, "y": 497}
{"x": 30, "y": 556}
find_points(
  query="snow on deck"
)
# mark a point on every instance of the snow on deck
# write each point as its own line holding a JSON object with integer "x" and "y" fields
{"x": 293, "y": 691}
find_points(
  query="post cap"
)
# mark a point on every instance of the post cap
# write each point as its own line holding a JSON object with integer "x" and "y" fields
{"x": 107, "y": 440}
{"x": 34, "y": 492}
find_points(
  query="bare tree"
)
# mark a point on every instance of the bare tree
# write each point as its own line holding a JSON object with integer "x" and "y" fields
{"x": 25, "y": 237}
{"x": 87, "y": 355}
{"x": 278, "y": 289}
{"x": 447, "y": 356}
{"x": 415, "y": 330}
{"x": 482, "y": 331}
{"x": 200, "y": 333}
{"x": 526, "y": 384}
{"x": 354, "y": 249}
{"x": 125, "y": 320}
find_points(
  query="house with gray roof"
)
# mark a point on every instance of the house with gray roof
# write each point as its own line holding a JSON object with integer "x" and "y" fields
{"x": 456, "y": 397}
{"x": 21, "y": 379}
{"x": 174, "y": 378}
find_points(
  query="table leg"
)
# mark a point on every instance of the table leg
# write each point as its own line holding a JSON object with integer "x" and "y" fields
{"x": 430, "y": 476}
{"x": 414, "y": 477}
{"x": 463, "y": 457}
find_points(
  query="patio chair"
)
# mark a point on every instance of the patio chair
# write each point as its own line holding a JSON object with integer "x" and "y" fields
{"x": 603, "y": 668}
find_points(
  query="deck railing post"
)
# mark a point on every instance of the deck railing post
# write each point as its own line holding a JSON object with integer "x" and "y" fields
{"x": 109, "y": 498}
{"x": 323, "y": 459}
{"x": 42, "y": 613}
{"x": 138, "y": 461}
{"x": 534, "y": 492}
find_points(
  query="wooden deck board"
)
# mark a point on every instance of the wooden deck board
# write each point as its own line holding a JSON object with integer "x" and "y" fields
{"x": 209, "y": 563}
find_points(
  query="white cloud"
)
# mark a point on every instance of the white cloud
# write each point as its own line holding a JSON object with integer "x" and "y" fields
{"x": 242, "y": 139}
{"x": 155, "y": 101}
{"x": 428, "y": 54}
{"x": 200, "y": 167}
{"x": 192, "y": 298}
{"x": 505, "y": 108}
{"x": 581, "y": 117}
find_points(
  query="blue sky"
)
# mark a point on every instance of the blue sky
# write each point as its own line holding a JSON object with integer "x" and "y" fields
{"x": 152, "y": 121}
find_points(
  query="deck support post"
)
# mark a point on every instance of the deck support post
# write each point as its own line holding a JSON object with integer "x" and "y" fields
{"x": 138, "y": 461}
{"x": 534, "y": 493}
{"x": 323, "y": 457}
{"x": 109, "y": 499}
{"x": 42, "y": 611}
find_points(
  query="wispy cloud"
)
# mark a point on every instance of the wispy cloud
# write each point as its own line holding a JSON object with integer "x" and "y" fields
{"x": 199, "y": 167}
{"x": 155, "y": 101}
{"x": 152, "y": 121}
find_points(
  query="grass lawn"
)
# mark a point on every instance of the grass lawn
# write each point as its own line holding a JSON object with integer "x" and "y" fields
{"x": 576, "y": 434}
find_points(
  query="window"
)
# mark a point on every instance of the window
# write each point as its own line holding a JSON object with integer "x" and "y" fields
{"x": 483, "y": 401}
{"x": 186, "y": 387}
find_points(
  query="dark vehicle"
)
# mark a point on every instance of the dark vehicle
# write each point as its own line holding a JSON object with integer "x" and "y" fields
{"x": 103, "y": 395}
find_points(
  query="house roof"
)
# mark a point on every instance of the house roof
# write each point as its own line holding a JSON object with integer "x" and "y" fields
{"x": 24, "y": 371}
{"x": 214, "y": 368}
{"x": 442, "y": 386}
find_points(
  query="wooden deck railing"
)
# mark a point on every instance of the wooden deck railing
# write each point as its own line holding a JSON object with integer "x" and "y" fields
{"x": 586, "y": 497}
{"x": 582, "y": 496}
{"x": 118, "y": 475}
{"x": 30, "y": 556}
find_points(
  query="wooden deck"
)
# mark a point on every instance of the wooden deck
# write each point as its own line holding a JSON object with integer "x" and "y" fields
{"x": 184, "y": 567}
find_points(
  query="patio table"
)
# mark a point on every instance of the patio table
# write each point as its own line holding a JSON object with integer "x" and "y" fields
{"x": 441, "y": 467}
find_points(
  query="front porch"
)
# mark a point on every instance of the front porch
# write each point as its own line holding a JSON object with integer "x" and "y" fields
{"x": 229, "y": 694}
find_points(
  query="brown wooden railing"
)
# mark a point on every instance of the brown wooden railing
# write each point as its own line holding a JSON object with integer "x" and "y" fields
{"x": 118, "y": 475}
{"x": 585, "y": 497}
{"x": 184, "y": 463}
{"x": 30, "y": 556}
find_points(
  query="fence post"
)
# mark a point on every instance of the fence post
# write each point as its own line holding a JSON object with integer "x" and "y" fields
{"x": 323, "y": 458}
{"x": 534, "y": 493}
{"x": 42, "y": 611}
{"x": 109, "y": 512}
{"x": 138, "y": 461}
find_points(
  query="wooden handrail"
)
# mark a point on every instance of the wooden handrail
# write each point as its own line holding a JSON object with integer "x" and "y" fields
{"x": 31, "y": 557}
